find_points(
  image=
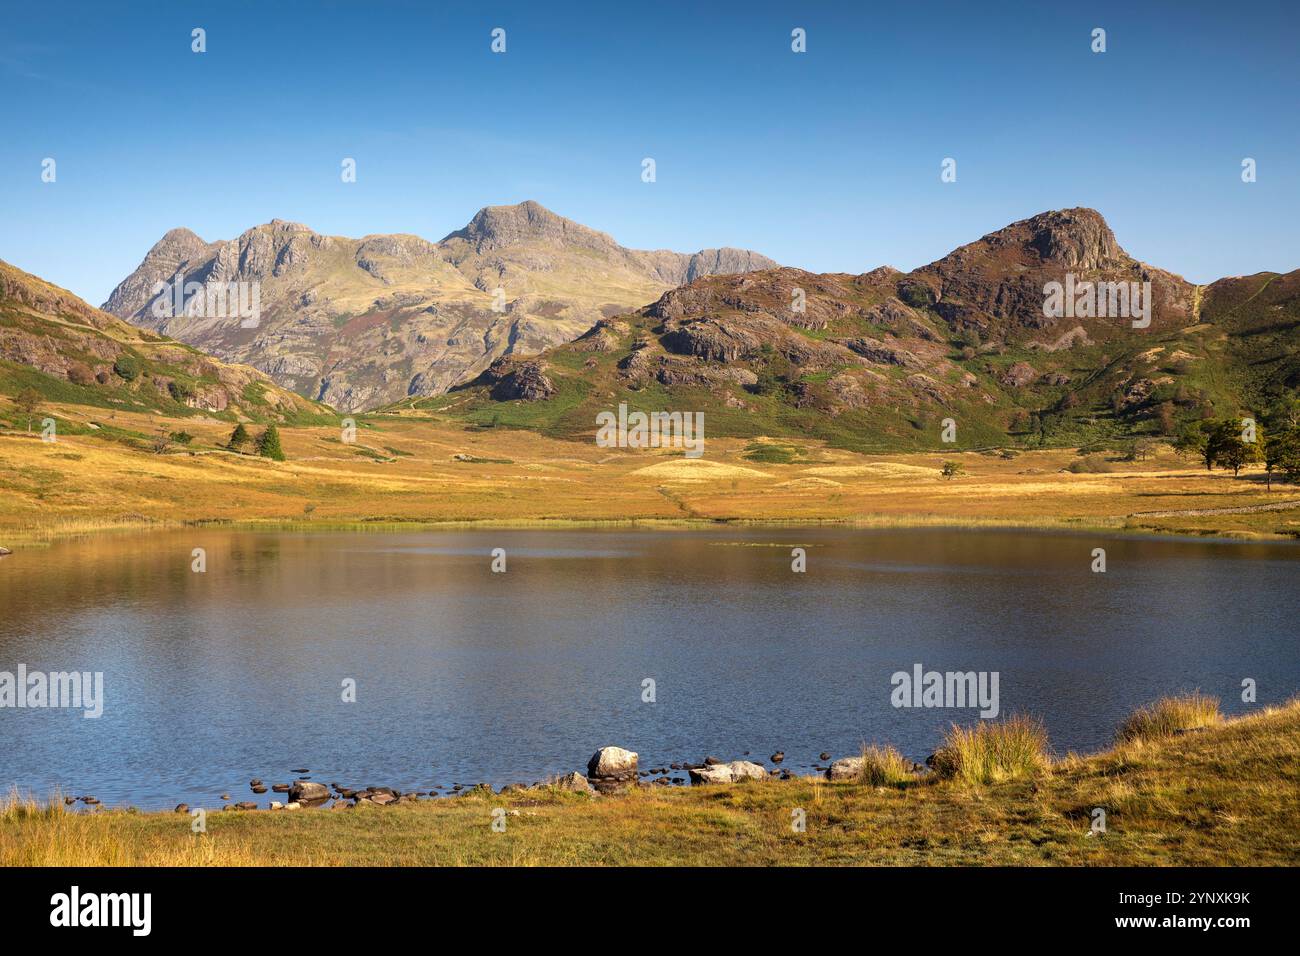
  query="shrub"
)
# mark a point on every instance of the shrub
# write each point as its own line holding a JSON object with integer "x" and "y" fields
{"x": 180, "y": 391}
{"x": 885, "y": 767}
{"x": 181, "y": 438}
{"x": 952, "y": 469}
{"x": 79, "y": 373}
{"x": 992, "y": 751}
{"x": 1170, "y": 716}
{"x": 127, "y": 366}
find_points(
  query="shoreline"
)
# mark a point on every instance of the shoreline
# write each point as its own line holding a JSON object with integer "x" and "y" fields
{"x": 1154, "y": 789}
{"x": 1113, "y": 527}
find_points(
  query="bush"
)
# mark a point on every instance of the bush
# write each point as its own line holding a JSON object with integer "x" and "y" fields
{"x": 79, "y": 373}
{"x": 952, "y": 469}
{"x": 127, "y": 367}
{"x": 181, "y": 438}
{"x": 180, "y": 391}
{"x": 1170, "y": 716}
{"x": 993, "y": 751}
{"x": 885, "y": 767}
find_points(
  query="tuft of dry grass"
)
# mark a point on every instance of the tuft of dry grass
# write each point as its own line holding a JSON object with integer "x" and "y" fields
{"x": 993, "y": 751}
{"x": 1170, "y": 716}
{"x": 885, "y": 767}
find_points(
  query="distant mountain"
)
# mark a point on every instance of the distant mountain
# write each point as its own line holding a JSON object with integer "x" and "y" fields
{"x": 71, "y": 352}
{"x": 878, "y": 361}
{"x": 359, "y": 323}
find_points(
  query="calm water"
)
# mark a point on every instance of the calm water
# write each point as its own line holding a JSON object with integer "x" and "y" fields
{"x": 465, "y": 676}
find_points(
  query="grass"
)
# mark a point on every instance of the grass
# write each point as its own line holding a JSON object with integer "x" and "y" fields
{"x": 993, "y": 751}
{"x": 1170, "y": 716}
{"x": 1229, "y": 796}
{"x": 101, "y": 474}
{"x": 885, "y": 767}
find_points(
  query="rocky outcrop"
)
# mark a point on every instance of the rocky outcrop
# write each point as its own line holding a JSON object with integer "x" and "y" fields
{"x": 517, "y": 381}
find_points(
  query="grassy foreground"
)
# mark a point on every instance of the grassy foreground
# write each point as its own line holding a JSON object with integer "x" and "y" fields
{"x": 1228, "y": 794}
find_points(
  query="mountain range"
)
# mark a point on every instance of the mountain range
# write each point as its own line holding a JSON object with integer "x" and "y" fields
{"x": 884, "y": 359}
{"x": 879, "y": 361}
{"x": 360, "y": 323}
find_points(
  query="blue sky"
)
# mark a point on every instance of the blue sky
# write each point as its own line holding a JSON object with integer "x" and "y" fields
{"x": 827, "y": 160}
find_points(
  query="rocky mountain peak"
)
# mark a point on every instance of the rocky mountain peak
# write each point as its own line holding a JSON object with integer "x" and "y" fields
{"x": 494, "y": 227}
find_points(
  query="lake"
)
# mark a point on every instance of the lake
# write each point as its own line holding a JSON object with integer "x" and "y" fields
{"x": 464, "y": 675}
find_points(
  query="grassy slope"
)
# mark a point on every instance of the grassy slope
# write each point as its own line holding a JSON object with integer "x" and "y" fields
{"x": 1227, "y": 796}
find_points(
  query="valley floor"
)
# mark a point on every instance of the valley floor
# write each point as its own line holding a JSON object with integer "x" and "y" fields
{"x": 1228, "y": 795}
{"x": 401, "y": 471}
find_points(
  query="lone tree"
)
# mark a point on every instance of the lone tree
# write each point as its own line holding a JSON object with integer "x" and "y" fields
{"x": 268, "y": 444}
{"x": 239, "y": 438}
{"x": 28, "y": 401}
{"x": 952, "y": 469}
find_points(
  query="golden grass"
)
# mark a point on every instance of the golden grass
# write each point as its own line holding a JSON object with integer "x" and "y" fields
{"x": 993, "y": 751}
{"x": 1169, "y": 716}
{"x": 1229, "y": 796}
{"x": 86, "y": 483}
{"x": 885, "y": 767}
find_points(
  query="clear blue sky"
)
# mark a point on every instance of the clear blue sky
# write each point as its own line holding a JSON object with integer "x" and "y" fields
{"x": 827, "y": 160}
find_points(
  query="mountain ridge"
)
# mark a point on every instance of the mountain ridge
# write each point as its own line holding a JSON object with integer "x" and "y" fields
{"x": 361, "y": 322}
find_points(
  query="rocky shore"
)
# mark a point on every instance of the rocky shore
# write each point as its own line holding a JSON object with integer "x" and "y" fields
{"x": 611, "y": 770}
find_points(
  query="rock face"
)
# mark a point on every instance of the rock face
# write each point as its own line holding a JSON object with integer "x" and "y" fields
{"x": 732, "y": 772}
{"x": 360, "y": 323}
{"x": 513, "y": 380}
{"x": 611, "y": 769}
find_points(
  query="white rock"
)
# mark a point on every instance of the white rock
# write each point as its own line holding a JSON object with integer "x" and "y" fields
{"x": 611, "y": 762}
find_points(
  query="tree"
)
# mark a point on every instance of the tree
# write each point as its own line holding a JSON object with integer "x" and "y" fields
{"x": 161, "y": 442}
{"x": 1194, "y": 441}
{"x": 239, "y": 438}
{"x": 268, "y": 444}
{"x": 1282, "y": 453}
{"x": 1165, "y": 416}
{"x": 1226, "y": 446}
{"x": 952, "y": 469}
{"x": 28, "y": 401}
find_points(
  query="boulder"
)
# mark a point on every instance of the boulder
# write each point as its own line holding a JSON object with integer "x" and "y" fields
{"x": 612, "y": 768}
{"x": 574, "y": 782}
{"x": 846, "y": 768}
{"x": 732, "y": 772}
{"x": 307, "y": 791}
